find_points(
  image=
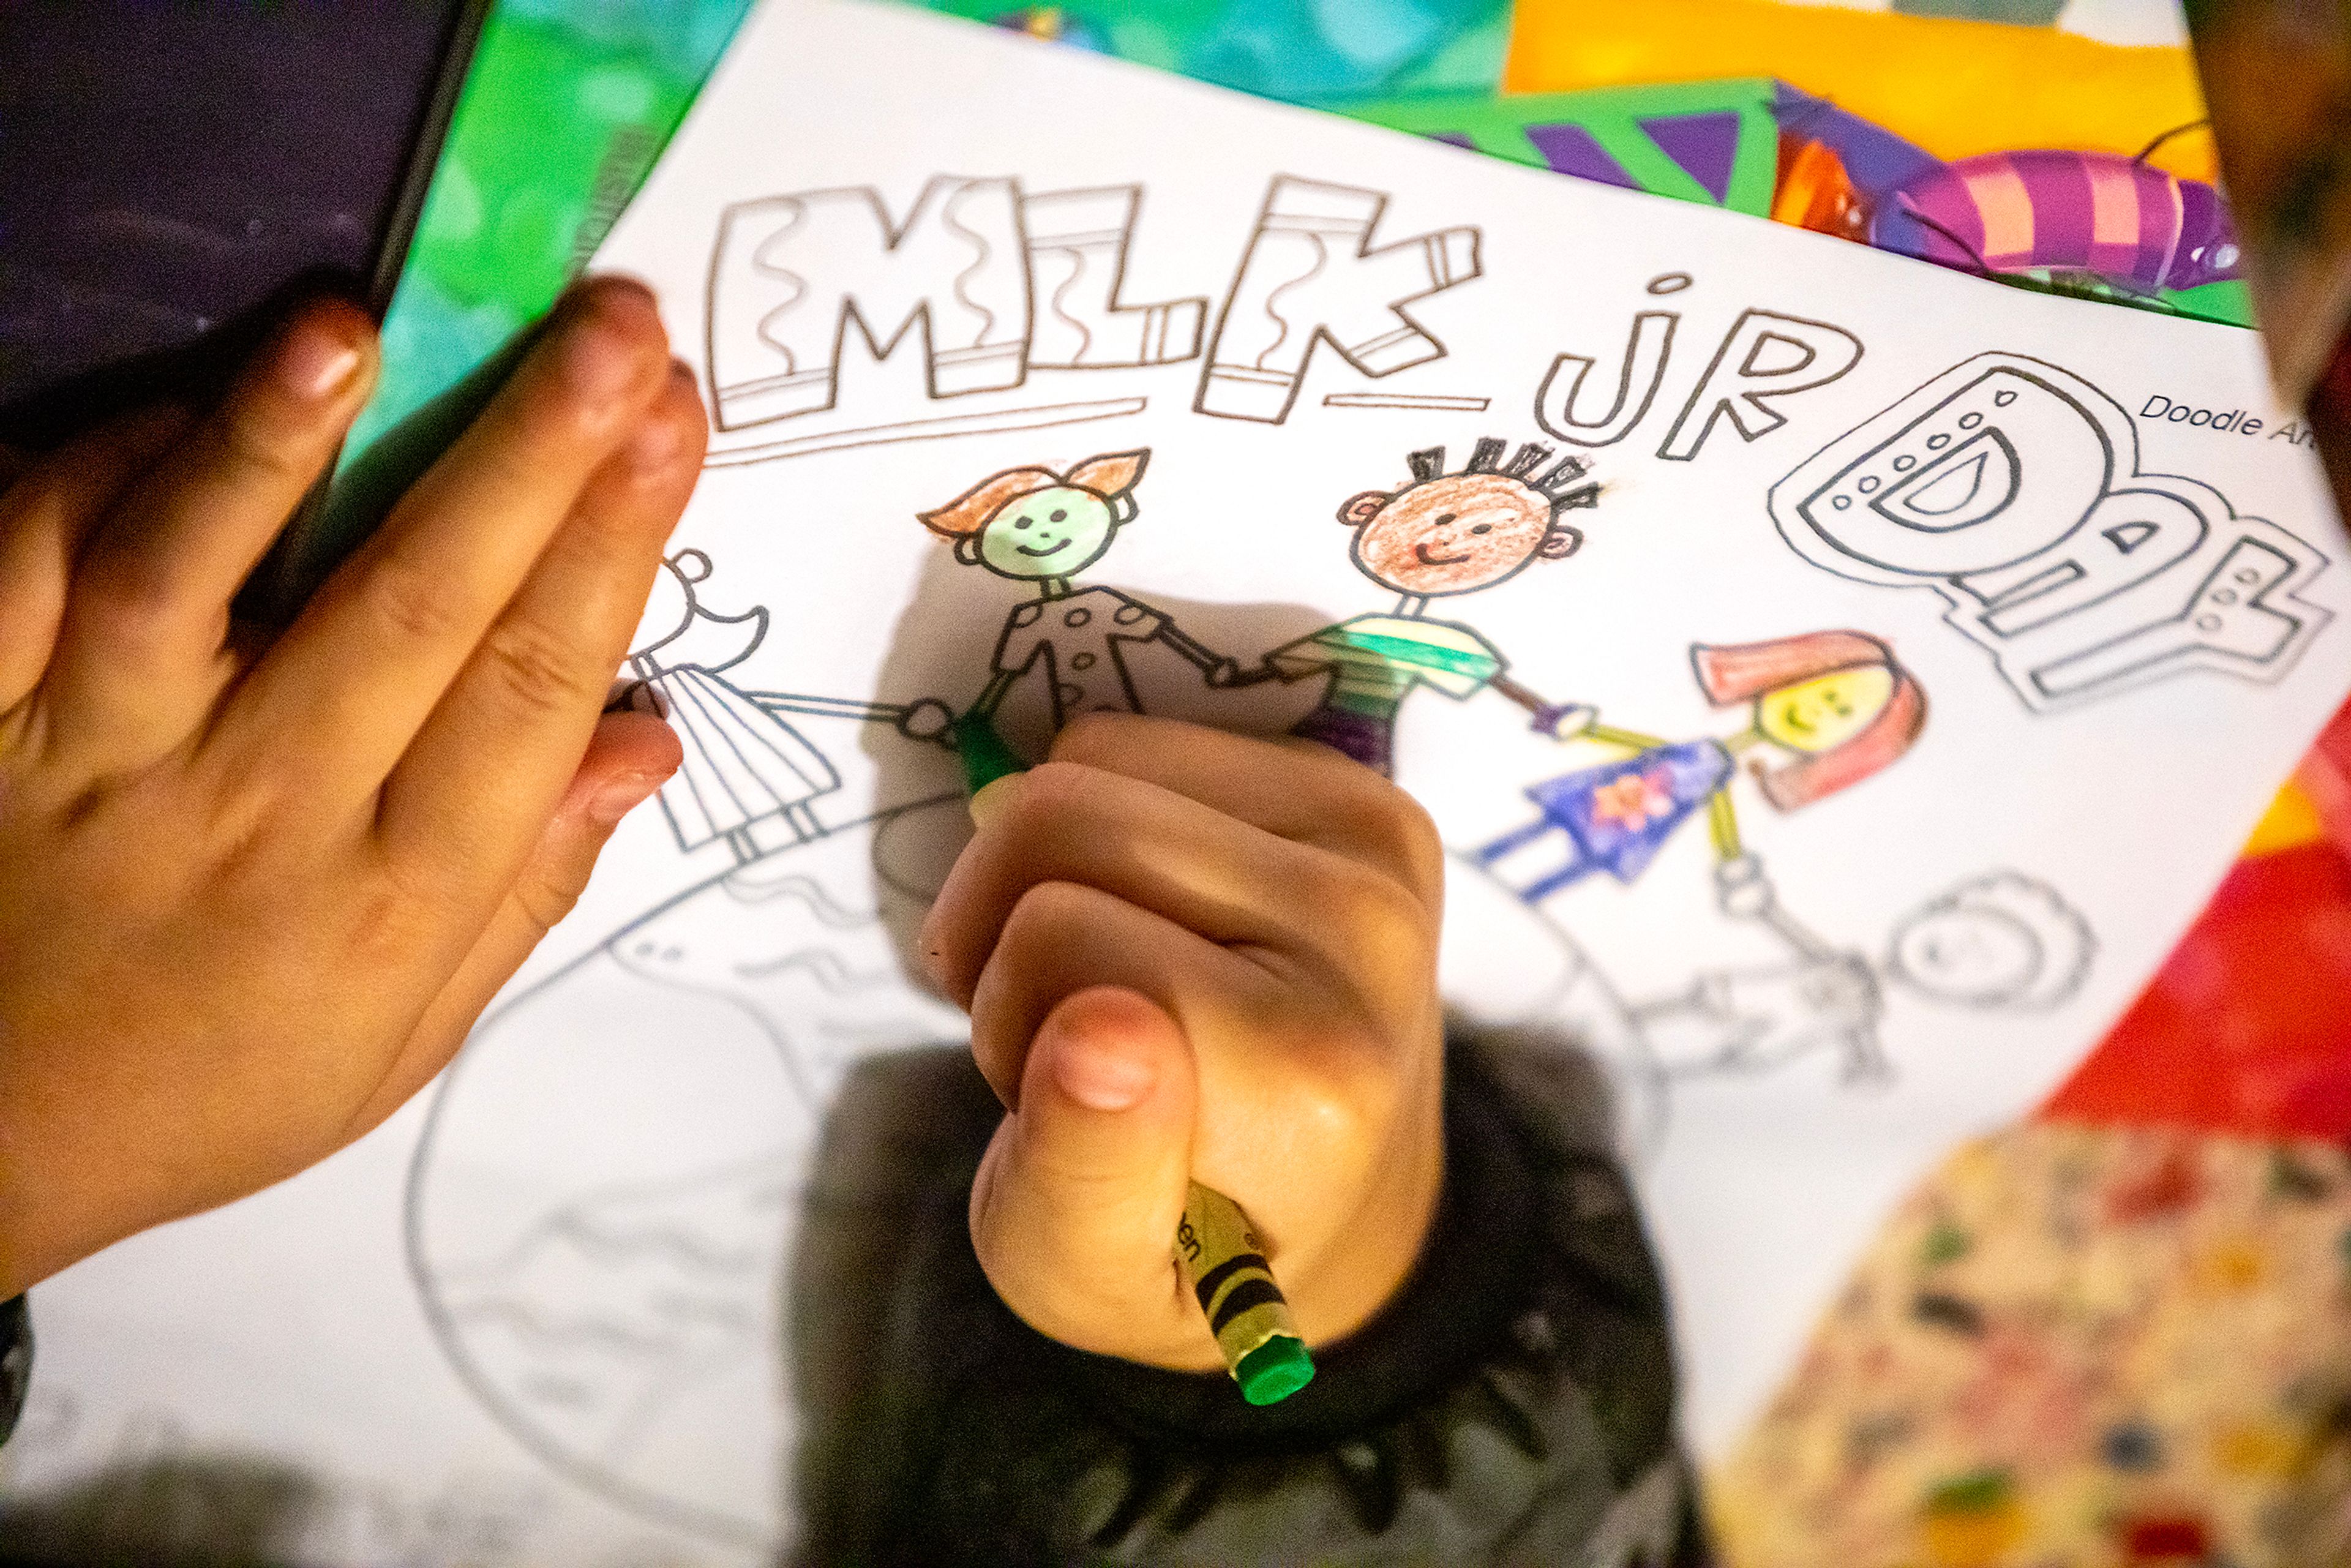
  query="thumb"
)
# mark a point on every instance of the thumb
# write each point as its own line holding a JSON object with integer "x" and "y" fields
{"x": 1074, "y": 1211}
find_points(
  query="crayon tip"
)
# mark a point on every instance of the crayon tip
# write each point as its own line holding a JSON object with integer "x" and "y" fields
{"x": 1274, "y": 1371}
{"x": 986, "y": 757}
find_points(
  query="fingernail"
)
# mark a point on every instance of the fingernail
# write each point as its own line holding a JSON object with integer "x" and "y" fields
{"x": 599, "y": 356}
{"x": 314, "y": 363}
{"x": 622, "y": 796}
{"x": 1098, "y": 1078}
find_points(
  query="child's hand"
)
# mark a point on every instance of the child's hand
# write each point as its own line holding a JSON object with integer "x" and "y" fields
{"x": 1192, "y": 956}
{"x": 251, "y": 899}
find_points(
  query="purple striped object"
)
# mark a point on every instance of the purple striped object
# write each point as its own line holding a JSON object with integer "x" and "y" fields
{"x": 2120, "y": 219}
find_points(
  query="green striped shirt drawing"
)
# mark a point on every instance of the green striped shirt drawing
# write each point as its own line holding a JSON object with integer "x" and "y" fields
{"x": 1375, "y": 660}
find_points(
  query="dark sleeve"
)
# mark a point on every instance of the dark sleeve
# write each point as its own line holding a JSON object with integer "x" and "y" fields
{"x": 15, "y": 1363}
{"x": 1514, "y": 1403}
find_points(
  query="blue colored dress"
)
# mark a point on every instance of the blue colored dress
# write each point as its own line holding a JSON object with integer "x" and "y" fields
{"x": 1616, "y": 817}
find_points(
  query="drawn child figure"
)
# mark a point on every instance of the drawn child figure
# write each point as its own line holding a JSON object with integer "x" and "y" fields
{"x": 2002, "y": 941}
{"x": 1440, "y": 536}
{"x": 743, "y": 763}
{"x": 1837, "y": 701}
{"x": 1033, "y": 525}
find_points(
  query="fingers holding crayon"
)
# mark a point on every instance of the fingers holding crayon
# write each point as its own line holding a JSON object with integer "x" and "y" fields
{"x": 1078, "y": 1195}
{"x": 1296, "y": 789}
{"x": 1215, "y": 874}
{"x": 1298, "y": 971}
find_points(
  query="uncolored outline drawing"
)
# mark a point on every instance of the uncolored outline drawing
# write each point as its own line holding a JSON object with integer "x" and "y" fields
{"x": 1997, "y": 942}
{"x": 2011, "y": 487}
{"x": 2000, "y": 942}
{"x": 789, "y": 275}
{"x": 744, "y": 765}
{"x": 994, "y": 280}
{"x": 993, "y": 423}
{"x": 1311, "y": 275}
{"x": 1764, "y": 358}
{"x": 1427, "y": 402}
{"x": 455, "y": 1307}
{"x": 1838, "y": 703}
{"x": 1562, "y": 408}
{"x": 1769, "y": 356}
{"x": 1435, "y": 536}
{"x": 1078, "y": 244}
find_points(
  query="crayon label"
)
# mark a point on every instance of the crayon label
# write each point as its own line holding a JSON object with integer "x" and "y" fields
{"x": 1225, "y": 1264}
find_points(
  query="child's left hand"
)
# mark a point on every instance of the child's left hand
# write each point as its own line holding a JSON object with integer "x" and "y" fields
{"x": 1190, "y": 955}
{"x": 253, "y": 896}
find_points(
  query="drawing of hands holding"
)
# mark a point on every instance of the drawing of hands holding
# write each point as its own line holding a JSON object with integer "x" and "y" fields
{"x": 927, "y": 720}
{"x": 1564, "y": 721}
{"x": 1194, "y": 955}
{"x": 1226, "y": 674}
{"x": 254, "y": 893}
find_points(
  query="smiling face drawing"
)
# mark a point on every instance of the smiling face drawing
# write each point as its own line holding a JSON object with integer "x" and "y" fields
{"x": 1824, "y": 712}
{"x": 1968, "y": 955}
{"x": 1998, "y": 941}
{"x": 1038, "y": 525}
{"x": 1053, "y": 532}
{"x": 1454, "y": 534}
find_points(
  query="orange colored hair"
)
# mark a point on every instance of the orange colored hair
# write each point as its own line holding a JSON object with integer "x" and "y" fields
{"x": 1745, "y": 670}
{"x": 1110, "y": 477}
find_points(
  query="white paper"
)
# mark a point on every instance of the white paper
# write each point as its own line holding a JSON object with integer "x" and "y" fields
{"x": 554, "y": 1285}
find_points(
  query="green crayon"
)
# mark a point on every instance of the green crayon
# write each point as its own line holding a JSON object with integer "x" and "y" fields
{"x": 1215, "y": 1244}
{"x": 1225, "y": 1264}
{"x": 986, "y": 757}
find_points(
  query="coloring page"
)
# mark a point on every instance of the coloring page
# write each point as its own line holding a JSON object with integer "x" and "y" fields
{"x": 1837, "y": 681}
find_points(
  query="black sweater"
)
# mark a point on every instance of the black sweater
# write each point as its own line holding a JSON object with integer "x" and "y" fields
{"x": 1513, "y": 1404}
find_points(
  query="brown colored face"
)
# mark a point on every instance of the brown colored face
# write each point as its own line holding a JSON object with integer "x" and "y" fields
{"x": 1451, "y": 534}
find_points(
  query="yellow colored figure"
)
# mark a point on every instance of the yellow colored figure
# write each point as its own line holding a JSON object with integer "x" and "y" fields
{"x": 1836, "y": 700}
{"x": 1824, "y": 712}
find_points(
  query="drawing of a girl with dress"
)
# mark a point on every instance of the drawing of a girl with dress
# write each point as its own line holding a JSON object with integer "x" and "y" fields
{"x": 1033, "y": 525}
{"x": 1837, "y": 702}
{"x": 744, "y": 763}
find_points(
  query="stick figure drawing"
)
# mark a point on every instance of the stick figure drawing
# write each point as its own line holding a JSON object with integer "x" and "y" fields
{"x": 1035, "y": 526}
{"x": 1836, "y": 701}
{"x": 2000, "y": 942}
{"x": 744, "y": 764}
{"x": 1438, "y": 535}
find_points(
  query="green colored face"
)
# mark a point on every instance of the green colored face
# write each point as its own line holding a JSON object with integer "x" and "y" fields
{"x": 1056, "y": 532}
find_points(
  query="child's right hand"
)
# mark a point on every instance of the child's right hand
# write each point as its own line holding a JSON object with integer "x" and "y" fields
{"x": 1191, "y": 956}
